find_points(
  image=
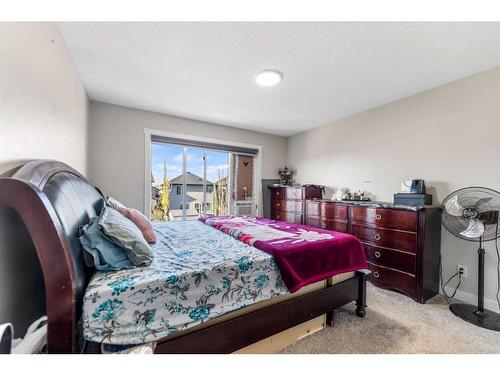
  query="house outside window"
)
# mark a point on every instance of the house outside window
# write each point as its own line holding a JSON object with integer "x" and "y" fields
{"x": 189, "y": 193}
{"x": 189, "y": 181}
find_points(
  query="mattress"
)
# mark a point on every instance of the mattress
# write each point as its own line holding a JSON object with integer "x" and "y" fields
{"x": 260, "y": 305}
{"x": 198, "y": 274}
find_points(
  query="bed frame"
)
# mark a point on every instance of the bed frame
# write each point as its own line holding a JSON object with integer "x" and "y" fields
{"x": 54, "y": 200}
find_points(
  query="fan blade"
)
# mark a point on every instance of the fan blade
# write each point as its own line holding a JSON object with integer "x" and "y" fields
{"x": 488, "y": 217}
{"x": 474, "y": 230}
{"x": 481, "y": 201}
{"x": 453, "y": 207}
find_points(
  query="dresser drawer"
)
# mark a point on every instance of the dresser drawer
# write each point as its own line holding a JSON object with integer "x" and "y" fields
{"x": 327, "y": 209}
{"x": 277, "y": 193}
{"x": 334, "y": 210}
{"x": 290, "y": 217}
{"x": 391, "y": 258}
{"x": 288, "y": 205}
{"x": 386, "y": 218}
{"x": 294, "y": 193}
{"x": 336, "y": 225}
{"x": 392, "y": 279}
{"x": 313, "y": 208}
{"x": 405, "y": 241}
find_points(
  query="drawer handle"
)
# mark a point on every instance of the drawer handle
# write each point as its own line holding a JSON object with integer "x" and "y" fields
{"x": 376, "y": 274}
{"x": 377, "y": 236}
{"x": 378, "y": 216}
{"x": 277, "y": 204}
{"x": 323, "y": 210}
{"x": 277, "y": 193}
{"x": 377, "y": 254}
{"x": 278, "y": 216}
{"x": 323, "y": 225}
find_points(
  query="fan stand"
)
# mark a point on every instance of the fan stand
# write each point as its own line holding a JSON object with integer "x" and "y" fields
{"x": 478, "y": 315}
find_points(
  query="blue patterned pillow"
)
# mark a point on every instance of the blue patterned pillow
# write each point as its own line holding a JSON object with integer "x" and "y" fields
{"x": 123, "y": 232}
{"x": 104, "y": 254}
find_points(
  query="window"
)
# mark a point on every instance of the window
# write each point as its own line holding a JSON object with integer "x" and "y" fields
{"x": 193, "y": 178}
{"x": 198, "y": 177}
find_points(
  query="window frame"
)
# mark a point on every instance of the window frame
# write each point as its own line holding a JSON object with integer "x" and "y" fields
{"x": 150, "y": 133}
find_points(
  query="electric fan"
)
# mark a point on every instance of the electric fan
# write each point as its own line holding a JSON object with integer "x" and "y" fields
{"x": 472, "y": 214}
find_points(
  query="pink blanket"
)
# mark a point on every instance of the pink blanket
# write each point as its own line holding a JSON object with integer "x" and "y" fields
{"x": 304, "y": 254}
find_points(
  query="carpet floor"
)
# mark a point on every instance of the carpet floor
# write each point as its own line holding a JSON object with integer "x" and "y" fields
{"x": 396, "y": 324}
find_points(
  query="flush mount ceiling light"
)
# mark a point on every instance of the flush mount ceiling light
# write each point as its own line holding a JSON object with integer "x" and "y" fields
{"x": 269, "y": 78}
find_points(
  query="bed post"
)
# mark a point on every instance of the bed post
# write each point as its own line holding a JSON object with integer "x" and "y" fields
{"x": 330, "y": 318}
{"x": 361, "y": 300}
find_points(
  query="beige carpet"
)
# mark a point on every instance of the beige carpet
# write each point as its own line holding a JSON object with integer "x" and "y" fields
{"x": 396, "y": 324}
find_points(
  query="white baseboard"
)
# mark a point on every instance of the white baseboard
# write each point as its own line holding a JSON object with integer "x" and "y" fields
{"x": 489, "y": 304}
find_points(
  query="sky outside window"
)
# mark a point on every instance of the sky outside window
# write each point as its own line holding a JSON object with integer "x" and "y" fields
{"x": 172, "y": 155}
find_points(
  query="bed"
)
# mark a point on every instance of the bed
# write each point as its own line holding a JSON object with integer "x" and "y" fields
{"x": 198, "y": 274}
{"x": 218, "y": 298}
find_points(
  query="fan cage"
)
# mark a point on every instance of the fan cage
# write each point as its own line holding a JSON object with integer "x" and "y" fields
{"x": 469, "y": 197}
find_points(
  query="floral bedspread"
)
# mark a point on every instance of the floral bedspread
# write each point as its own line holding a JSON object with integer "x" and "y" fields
{"x": 198, "y": 273}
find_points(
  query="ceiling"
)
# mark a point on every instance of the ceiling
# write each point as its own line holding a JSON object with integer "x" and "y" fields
{"x": 206, "y": 71}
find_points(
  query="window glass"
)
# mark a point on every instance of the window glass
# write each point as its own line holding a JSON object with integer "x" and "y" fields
{"x": 188, "y": 182}
{"x": 166, "y": 181}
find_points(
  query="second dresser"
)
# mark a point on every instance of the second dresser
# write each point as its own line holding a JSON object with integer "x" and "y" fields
{"x": 402, "y": 244}
{"x": 288, "y": 202}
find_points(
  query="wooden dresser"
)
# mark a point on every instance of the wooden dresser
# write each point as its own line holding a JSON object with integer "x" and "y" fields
{"x": 402, "y": 244}
{"x": 288, "y": 202}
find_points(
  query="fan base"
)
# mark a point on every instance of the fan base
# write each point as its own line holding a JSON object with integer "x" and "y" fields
{"x": 487, "y": 319}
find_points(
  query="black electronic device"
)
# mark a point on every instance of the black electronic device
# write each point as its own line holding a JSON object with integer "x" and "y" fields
{"x": 416, "y": 186}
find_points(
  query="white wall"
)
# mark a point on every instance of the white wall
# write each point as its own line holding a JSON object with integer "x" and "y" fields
{"x": 43, "y": 106}
{"x": 116, "y": 147}
{"x": 43, "y": 114}
{"x": 449, "y": 136}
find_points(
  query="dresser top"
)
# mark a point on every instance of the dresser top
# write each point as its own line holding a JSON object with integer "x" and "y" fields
{"x": 377, "y": 204}
{"x": 293, "y": 186}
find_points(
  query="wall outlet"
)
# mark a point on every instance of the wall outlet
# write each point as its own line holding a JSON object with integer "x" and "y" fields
{"x": 463, "y": 268}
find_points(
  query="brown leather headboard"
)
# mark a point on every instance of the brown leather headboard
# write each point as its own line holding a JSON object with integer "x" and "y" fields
{"x": 54, "y": 200}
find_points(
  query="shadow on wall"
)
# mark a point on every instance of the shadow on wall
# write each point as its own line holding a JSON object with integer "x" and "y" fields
{"x": 22, "y": 292}
{"x": 329, "y": 191}
{"x": 436, "y": 188}
{"x": 7, "y": 169}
